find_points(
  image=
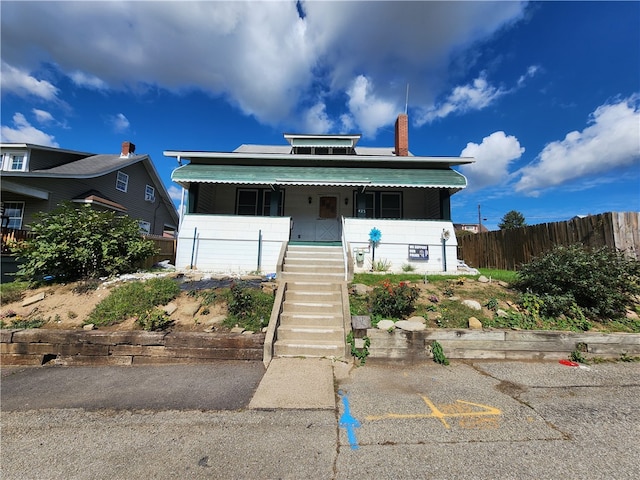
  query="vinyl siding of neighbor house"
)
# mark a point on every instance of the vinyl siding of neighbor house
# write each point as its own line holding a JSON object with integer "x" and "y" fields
{"x": 61, "y": 189}
{"x": 216, "y": 242}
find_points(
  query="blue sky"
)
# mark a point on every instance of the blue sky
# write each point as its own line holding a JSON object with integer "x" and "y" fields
{"x": 545, "y": 95}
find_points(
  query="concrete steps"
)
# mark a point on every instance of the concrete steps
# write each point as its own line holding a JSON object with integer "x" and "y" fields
{"x": 312, "y": 322}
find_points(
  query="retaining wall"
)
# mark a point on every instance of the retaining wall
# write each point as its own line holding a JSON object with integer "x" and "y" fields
{"x": 407, "y": 346}
{"x": 97, "y": 347}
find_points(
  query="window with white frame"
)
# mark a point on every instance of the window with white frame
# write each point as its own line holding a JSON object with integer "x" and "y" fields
{"x": 122, "y": 182}
{"x": 149, "y": 193}
{"x": 145, "y": 227}
{"x": 14, "y": 162}
{"x": 13, "y": 214}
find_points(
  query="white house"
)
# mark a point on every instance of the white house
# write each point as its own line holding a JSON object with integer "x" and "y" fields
{"x": 241, "y": 209}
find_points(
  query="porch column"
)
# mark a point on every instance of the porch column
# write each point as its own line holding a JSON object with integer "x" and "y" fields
{"x": 275, "y": 201}
{"x": 445, "y": 205}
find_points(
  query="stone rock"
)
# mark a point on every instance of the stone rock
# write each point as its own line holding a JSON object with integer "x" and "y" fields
{"x": 33, "y": 299}
{"x": 416, "y": 319}
{"x": 410, "y": 326}
{"x": 360, "y": 289}
{"x": 269, "y": 287}
{"x": 454, "y": 298}
{"x": 360, "y": 322}
{"x": 483, "y": 279}
{"x": 89, "y": 326}
{"x": 503, "y": 284}
{"x": 386, "y": 324}
{"x": 215, "y": 320}
{"x": 209, "y": 329}
{"x": 632, "y": 315}
{"x": 434, "y": 315}
{"x": 191, "y": 309}
{"x": 473, "y": 304}
{"x": 501, "y": 313}
{"x": 169, "y": 308}
{"x": 475, "y": 324}
{"x": 237, "y": 330}
{"x": 264, "y": 329}
{"x": 358, "y": 343}
{"x": 247, "y": 332}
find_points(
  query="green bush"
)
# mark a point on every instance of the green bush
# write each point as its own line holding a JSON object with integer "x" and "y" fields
{"x": 133, "y": 299}
{"x": 154, "y": 319}
{"x": 601, "y": 282}
{"x": 72, "y": 242}
{"x": 393, "y": 301}
{"x": 248, "y": 307}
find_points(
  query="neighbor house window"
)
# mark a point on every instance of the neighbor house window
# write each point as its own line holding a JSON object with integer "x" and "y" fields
{"x": 149, "y": 193}
{"x": 16, "y": 162}
{"x": 145, "y": 227}
{"x": 122, "y": 182}
{"x": 14, "y": 211}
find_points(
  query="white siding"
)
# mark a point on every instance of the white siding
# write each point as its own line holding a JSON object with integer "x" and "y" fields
{"x": 229, "y": 244}
{"x": 397, "y": 235}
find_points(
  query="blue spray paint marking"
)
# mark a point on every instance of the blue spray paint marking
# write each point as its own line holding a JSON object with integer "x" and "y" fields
{"x": 348, "y": 421}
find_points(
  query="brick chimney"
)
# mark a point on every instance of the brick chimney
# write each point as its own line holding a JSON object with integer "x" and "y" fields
{"x": 128, "y": 149}
{"x": 402, "y": 135}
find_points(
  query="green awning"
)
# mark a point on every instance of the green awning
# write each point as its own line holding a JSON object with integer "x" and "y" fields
{"x": 320, "y": 176}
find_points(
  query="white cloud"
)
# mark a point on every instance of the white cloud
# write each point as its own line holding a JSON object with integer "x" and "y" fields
{"x": 611, "y": 140}
{"x": 119, "y": 122}
{"x": 82, "y": 79}
{"x": 316, "y": 119}
{"x": 42, "y": 116}
{"x": 175, "y": 193}
{"x": 261, "y": 56}
{"x": 23, "y": 132}
{"x": 473, "y": 96}
{"x": 367, "y": 110}
{"x": 493, "y": 157}
{"x": 20, "y": 82}
{"x": 531, "y": 72}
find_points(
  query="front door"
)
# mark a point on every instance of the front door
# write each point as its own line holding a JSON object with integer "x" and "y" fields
{"x": 328, "y": 223}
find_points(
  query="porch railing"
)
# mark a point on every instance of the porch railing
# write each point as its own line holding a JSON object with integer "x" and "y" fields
{"x": 12, "y": 235}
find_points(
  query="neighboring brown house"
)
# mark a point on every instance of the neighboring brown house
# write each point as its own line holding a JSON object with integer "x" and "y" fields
{"x": 36, "y": 178}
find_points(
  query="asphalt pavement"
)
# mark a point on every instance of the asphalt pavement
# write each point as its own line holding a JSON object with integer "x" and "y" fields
{"x": 469, "y": 420}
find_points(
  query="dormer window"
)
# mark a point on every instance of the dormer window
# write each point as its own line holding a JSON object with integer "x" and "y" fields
{"x": 322, "y": 144}
{"x": 14, "y": 162}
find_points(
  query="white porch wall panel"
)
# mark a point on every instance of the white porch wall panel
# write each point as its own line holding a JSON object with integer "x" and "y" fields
{"x": 229, "y": 243}
{"x": 397, "y": 235}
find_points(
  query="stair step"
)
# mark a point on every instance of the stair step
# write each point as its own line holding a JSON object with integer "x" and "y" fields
{"x": 313, "y": 320}
{"x": 313, "y": 297}
{"x": 325, "y": 349}
{"x": 311, "y": 307}
{"x": 301, "y": 285}
{"x": 309, "y": 277}
{"x": 308, "y": 334}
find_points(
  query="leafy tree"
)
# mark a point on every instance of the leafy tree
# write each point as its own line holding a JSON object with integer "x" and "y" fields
{"x": 512, "y": 219}
{"x": 72, "y": 242}
{"x": 600, "y": 282}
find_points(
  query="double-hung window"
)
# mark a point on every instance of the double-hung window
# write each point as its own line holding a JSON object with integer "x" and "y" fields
{"x": 14, "y": 162}
{"x": 257, "y": 201}
{"x": 383, "y": 205}
{"x": 122, "y": 182}
{"x": 149, "y": 193}
{"x": 13, "y": 213}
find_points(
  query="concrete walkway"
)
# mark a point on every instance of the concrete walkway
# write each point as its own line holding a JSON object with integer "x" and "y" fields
{"x": 298, "y": 383}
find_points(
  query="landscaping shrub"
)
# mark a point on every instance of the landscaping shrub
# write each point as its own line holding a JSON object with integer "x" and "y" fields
{"x": 393, "y": 301}
{"x": 134, "y": 299}
{"x": 12, "y": 292}
{"x": 601, "y": 282}
{"x": 72, "y": 242}
{"x": 248, "y": 307}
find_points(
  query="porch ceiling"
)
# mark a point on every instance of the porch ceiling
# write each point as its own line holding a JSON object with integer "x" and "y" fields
{"x": 325, "y": 176}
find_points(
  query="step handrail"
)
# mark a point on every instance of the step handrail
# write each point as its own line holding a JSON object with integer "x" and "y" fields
{"x": 344, "y": 251}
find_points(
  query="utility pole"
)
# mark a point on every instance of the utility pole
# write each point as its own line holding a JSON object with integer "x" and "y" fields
{"x": 479, "y": 220}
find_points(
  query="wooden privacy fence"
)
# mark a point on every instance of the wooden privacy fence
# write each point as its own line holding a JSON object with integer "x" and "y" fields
{"x": 166, "y": 247}
{"x": 509, "y": 249}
